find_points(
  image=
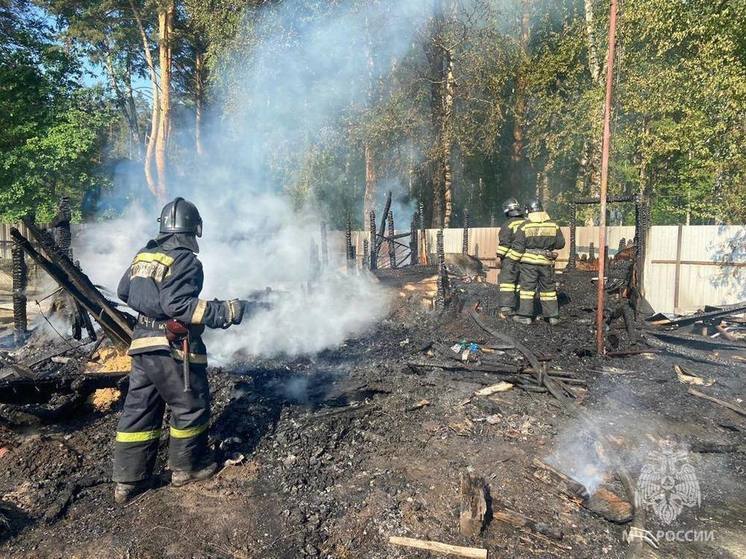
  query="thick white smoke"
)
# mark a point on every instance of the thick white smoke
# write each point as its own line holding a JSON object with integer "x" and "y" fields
{"x": 283, "y": 90}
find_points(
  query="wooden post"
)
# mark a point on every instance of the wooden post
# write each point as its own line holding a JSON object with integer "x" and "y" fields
{"x": 601, "y": 292}
{"x": 677, "y": 270}
{"x": 324, "y": 247}
{"x": 465, "y": 237}
{"x": 349, "y": 255}
{"x": 314, "y": 264}
{"x": 442, "y": 296}
{"x": 382, "y": 230}
{"x": 572, "y": 259}
{"x": 20, "y": 282}
{"x": 413, "y": 242}
{"x": 392, "y": 244}
{"x": 366, "y": 254}
{"x": 373, "y": 245}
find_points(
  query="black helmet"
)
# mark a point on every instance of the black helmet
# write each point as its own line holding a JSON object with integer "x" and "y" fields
{"x": 180, "y": 216}
{"x": 512, "y": 208}
{"x": 534, "y": 206}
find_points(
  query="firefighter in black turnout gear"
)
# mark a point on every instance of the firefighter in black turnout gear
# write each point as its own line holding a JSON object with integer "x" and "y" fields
{"x": 169, "y": 359}
{"x": 537, "y": 240}
{"x": 509, "y": 256}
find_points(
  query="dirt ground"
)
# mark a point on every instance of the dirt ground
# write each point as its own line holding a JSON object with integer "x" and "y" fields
{"x": 347, "y": 448}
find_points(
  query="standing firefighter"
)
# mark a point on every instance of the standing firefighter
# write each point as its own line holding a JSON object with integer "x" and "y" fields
{"x": 537, "y": 240}
{"x": 169, "y": 361}
{"x": 509, "y": 256}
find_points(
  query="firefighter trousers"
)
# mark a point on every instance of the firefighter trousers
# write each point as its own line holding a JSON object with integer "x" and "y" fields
{"x": 509, "y": 282}
{"x": 537, "y": 277}
{"x": 156, "y": 380}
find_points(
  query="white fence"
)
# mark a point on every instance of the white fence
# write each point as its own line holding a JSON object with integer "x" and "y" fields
{"x": 686, "y": 267}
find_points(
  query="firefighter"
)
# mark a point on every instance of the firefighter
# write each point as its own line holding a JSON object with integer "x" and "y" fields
{"x": 169, "y": 361}
{"x": 536, "y": 240}
{"x": 508, "y": 256}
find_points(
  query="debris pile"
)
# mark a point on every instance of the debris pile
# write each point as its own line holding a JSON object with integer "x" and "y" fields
{"x": 439, "y": 430}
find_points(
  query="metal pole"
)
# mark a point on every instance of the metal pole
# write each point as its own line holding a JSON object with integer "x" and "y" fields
{"x": 600, "y": 348}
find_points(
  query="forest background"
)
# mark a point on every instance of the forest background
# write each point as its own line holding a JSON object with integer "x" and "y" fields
{"x": 109, "y": 101}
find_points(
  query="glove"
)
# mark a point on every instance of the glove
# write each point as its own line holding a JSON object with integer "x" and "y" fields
{"x": 233, "y": 311}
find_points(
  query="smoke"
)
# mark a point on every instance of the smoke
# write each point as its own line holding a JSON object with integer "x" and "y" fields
{"x": 616, "y": 431}
{"x": 296, "y": 74}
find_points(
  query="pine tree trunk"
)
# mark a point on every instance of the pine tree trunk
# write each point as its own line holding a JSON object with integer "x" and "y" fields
{"x": 517, "y": 154}
{"x": 447, "y": 139}
{"x": 369, "y": 196}
{"x": 199, "y": 101}
{"x": 165, "y": 31}
{"x": 594, "y": 68}
{"x": 155, "y": 110}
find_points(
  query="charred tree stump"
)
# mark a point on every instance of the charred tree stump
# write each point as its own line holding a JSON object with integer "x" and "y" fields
{"x": 392, "y": 246}
{"x": 373, "y": 246}
{"x": 465, "y": 238}
{"x": 20, "y": 283}
{"x": 473, "y": 514}
{"x": 324, "y": 247}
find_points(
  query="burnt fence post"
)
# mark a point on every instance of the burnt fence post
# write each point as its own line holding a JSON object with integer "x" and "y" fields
{"x": 20, "y": 283}
{"x": 572, "y": 259}
{"x": 373, "y": 249}
{"x": 465, "y": 244}
{"x": 392, "y": 245}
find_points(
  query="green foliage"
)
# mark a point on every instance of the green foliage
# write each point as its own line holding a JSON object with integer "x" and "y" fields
{"x": 678, "y": 115}
{"x": 51, "y": 136}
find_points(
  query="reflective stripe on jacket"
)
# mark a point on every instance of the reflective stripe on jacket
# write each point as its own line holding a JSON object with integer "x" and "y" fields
{"x": 163, "y": 282}
{"x": 506, "y": 238}
{"x": 537, "y": 237}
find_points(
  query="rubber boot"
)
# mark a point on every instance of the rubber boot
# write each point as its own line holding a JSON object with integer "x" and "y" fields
{"x": 125, "y": 492}
{"x": 553, "y": 320}
{"x": 181, "y": 477}
{"x": 522, "y": 319}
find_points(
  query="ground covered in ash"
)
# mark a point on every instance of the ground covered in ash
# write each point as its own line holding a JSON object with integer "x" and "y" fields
{"x": 347, "y": 448}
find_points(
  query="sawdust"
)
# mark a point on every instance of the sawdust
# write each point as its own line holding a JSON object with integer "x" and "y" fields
{"x": 104, "y": 398}
{"x": 109, "y": 360}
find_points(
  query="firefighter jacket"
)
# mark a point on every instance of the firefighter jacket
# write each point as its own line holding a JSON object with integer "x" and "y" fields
{"x": 506, "y": 238}
{"x": 164, "y": 282}
{"x": 537, "y": 238}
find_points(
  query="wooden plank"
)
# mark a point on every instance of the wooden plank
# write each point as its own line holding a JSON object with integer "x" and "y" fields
{"x": 437, "y": 547}
{"x": 718, "y": 401}
{"x": 720, "y": 263}
{"x": 677, "y": 271}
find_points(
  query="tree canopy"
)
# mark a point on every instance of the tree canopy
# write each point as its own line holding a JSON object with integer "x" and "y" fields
{"x": 453, "y": 105}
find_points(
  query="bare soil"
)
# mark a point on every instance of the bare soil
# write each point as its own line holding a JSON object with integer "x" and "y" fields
{"x": 340, "y": 452}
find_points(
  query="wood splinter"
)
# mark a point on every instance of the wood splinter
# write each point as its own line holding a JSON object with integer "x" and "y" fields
{"x": 437, "y": 547}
